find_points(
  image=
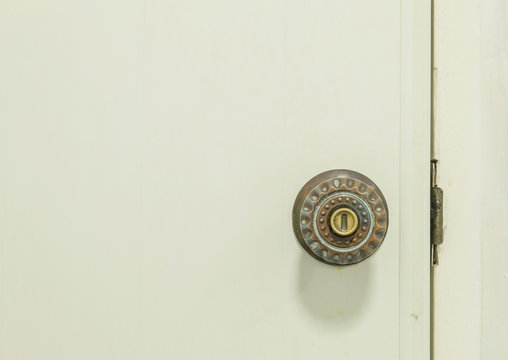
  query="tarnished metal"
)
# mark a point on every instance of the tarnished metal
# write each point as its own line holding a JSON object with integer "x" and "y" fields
{"x": 436, "y": 214}
{"x": 340, "y": 217}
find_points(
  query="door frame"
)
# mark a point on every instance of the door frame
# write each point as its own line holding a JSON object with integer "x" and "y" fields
{"x": 470, "y": 287}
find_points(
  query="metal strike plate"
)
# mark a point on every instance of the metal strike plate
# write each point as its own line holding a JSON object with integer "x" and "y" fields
{"x": 340, "y": 217}
{"x": 436, "y": 215}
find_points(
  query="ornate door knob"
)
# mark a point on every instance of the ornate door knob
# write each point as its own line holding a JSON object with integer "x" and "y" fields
{"x": 340, "y": 217}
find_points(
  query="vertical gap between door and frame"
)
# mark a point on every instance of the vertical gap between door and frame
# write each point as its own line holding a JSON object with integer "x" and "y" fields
{"x": 433, "y": 155}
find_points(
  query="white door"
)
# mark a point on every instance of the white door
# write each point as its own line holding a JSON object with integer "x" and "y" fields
{"x": 150, "y": 155}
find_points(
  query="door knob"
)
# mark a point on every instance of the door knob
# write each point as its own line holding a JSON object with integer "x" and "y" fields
{"x": 340, "y": 217}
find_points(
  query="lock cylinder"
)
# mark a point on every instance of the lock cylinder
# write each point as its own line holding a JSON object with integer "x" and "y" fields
{"x": 343, "y": 221}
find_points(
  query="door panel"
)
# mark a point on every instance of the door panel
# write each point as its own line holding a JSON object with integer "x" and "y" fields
{"x": 153, "y": 151}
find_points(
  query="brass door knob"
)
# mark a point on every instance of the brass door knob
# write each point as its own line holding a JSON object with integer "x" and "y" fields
{"x": 340, "y": 217}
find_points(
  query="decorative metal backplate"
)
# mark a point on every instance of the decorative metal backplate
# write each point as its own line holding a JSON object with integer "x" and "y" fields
{"x": 340, "y": 217}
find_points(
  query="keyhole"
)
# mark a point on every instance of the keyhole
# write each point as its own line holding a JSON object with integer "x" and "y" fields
{"x": 343, "y": 225}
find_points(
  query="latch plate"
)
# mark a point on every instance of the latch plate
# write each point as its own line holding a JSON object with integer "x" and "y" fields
{"x": 436, "y": 214}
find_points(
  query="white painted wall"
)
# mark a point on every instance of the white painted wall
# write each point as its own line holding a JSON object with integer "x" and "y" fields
{"x": 471, "y": 282}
